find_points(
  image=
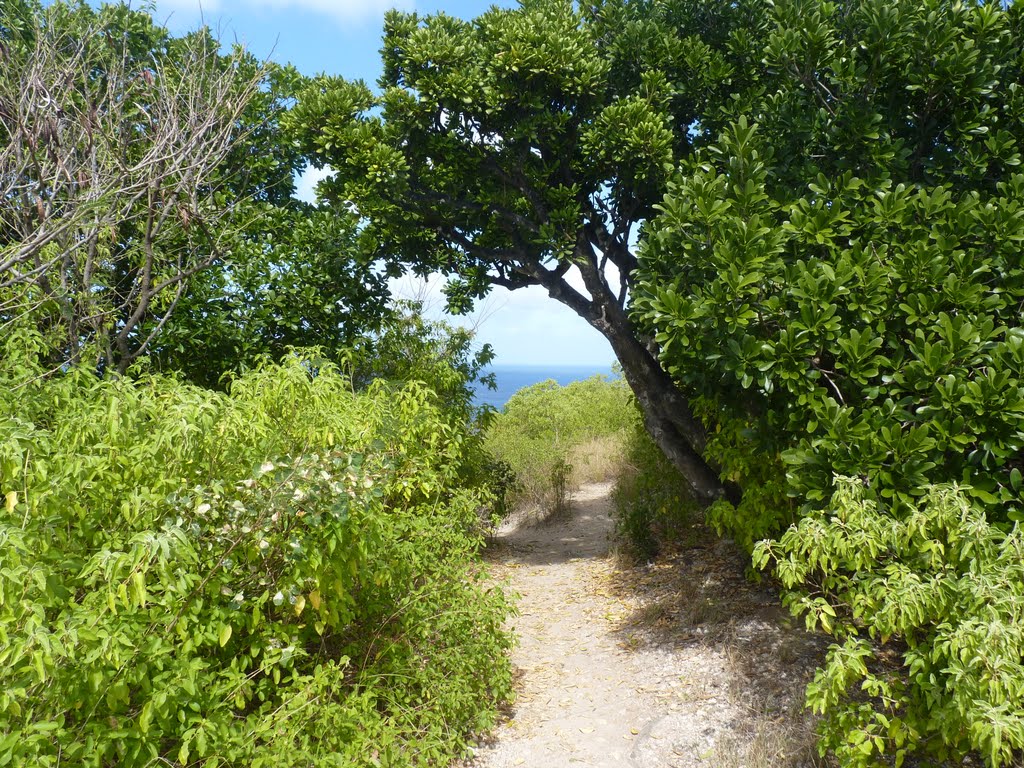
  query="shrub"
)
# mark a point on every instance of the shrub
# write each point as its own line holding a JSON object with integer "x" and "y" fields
{"x": 554, "y": 438}
{"x": 891, "y": 352}
{"x": 927, "y": 612}
{"x": 653, "y": 502}
{"x": 836, "y": 280}
{"x": 281, "y": 576}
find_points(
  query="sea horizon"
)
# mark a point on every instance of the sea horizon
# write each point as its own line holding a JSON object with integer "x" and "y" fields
{"x": 511, "y": 378}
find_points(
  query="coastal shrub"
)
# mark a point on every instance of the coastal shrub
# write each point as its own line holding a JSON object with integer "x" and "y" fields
{"x": 836, "y": 282}
{"x": 928, "y": 612}
{"x": 411, "y": 347}
{"x": 867, "y": 330}
{"x": 890, "y": 350}
{"x": 280, "y": 575}
{"x": 553, "y": 438}
{"x": 653, "y": 502}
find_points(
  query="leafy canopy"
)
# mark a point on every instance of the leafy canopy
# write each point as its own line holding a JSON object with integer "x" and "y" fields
{"x": 836, "y": 281}
{"x": 524, "y": 148}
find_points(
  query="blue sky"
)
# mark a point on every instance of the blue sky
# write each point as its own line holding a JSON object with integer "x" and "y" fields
{"x": 342, "y": 37}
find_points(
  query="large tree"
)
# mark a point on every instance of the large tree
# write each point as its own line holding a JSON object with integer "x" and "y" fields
{"x": 147, "y": 203}
{"x": 526, "y": 147}
{"x": 849, "y": 244}
{"x": 838, "y": 281}
{"x": 112, "y": 132}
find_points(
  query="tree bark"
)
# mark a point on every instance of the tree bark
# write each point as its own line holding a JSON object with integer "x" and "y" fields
{"x": 667, "y": 415}
{"x": 666, "y": 411}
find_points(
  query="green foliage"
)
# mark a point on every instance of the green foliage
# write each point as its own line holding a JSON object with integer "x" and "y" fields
{"x": 836, "y": 282}
{"x": 945, "y": 582}
{"x": 766, "y": 506}
{"x": 510, "y": 133}
{"x": 653, "y": 502}
{"x": 296, "y": 276}
{"x": 410, "y": 347}
{"x": 281, "y": 575}
{"x": 148, "y": 184}
{"x": 891, "y": 349}
{"x": 561, "y": 491}
{"x": 549, "y": 436}
{"x": 525, "y": 147}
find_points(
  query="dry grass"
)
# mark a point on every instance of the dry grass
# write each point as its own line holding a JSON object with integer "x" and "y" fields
{"x": 771, "y": 742}
{"x": 598, "y": 460}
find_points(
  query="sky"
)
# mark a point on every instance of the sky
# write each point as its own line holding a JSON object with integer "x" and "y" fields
{"x": 342, "y": 37}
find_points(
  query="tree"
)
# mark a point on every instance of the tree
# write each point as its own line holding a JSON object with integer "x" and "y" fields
{"x": 295, "y": 278}
{"x": 149, "y": 205}
{"x": 837, "y": 283}
{"x": 528, "y": 146}
{"x": 838, "y": 276}
{"x": 293, "y": 273}
{"x": 111, "y": 134}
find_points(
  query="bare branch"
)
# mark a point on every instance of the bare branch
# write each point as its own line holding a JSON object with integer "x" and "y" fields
{"x": 107, "y": 175}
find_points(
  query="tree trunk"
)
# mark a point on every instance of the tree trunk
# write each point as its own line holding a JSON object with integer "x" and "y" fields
{"x": 667, "y": 415}
{"x": 666, "y": 412}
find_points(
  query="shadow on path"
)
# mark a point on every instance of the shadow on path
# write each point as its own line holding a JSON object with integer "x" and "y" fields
{"x": 584, "y": 531}
{"x": 635, "y": 667}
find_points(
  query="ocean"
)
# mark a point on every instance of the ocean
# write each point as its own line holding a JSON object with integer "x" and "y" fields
{"x": 512, "y": 378}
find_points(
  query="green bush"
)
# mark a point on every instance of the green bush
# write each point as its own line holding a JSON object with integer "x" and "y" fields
{"x": 410, "y": 347}
{"x": 283, "y": 575}
{"x": 653, "y": 502}
{"x": 943, "y": 589}
{"x": 891, "y": 350}
{"x": 836, "y": 280}
{"x": 553, "y": 437}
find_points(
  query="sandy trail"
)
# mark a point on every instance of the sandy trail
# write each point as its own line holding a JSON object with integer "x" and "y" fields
{"x": 676, "y": 664}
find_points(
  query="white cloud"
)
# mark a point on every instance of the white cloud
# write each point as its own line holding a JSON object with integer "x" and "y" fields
{"x": 340, "y": 11}
{"x": 525, "y": 327}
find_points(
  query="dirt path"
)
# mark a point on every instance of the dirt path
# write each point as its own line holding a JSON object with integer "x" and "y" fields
{"x": 680, "y": 663}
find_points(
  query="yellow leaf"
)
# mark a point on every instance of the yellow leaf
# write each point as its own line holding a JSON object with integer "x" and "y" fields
{"x": 300, "y": 603}
{"x": 12, "y": 500}
{"x": 314, "y": 598}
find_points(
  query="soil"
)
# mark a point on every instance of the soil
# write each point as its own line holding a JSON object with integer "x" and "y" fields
{"x": 677, "y": 663}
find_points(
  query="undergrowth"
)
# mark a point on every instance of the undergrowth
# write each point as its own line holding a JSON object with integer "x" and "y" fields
{"x": 283, "y": 575}
{"x": 555, "y": 438}
{"x": 653, "y": 502}
{"x": 927, "y": 610}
